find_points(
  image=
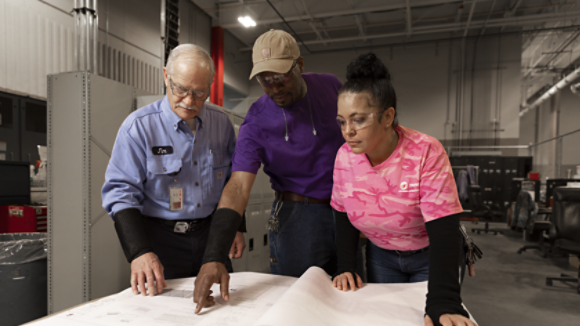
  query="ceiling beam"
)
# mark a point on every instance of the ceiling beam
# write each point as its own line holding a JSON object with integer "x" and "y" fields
{"x": 349, "y": 12}
{"x": 361, "y": 28}
{"x": 358, "y": 19}
{"x": 449, "y": 27}
{"x": 469, "y": 18}
{"x": 311, "y": 21}
{"x": 409, "y": 22}
{"x": 512, "y": 11}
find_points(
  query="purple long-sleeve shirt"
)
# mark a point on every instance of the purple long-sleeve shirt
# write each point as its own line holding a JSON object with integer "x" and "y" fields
{"x": 305, "y": 162}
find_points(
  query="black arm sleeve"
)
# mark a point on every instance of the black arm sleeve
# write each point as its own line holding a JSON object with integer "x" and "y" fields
{"x": 132, "y": 233}
{"x": 444, "y": 289}
{"x": 225, "y": 223}
{"x": 242, "y": 227}
{"x": 347, "y": 237}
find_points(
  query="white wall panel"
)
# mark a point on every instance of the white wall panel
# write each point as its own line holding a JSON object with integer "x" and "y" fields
{"x": 85, "y": 258}
{"x": 426, "y": 80}
{"x": 237, "y": 65}
{"x": 194, "y": 25}
{"x": 3, "y": 45}
{"x": 37, "y": 39}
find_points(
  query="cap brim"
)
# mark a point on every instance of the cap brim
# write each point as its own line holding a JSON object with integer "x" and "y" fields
{"x": 280, "y": 66}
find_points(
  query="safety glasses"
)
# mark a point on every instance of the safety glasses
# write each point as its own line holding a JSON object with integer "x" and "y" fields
{"x": 356, "y": 122}
{"x": 276, "y": 79}
{"x": 183, "y": 92}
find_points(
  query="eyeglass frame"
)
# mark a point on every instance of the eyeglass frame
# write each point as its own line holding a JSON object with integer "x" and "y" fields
{"x": 286, "y": 77}
{"x": 188, "y": 91}
{"x": 370, "y": 115}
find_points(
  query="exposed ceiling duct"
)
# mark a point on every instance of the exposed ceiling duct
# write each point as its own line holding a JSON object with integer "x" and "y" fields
{"x": 86, "y": 35}
{"x": 553, "y": 90}
{"x": 575, "y": 89}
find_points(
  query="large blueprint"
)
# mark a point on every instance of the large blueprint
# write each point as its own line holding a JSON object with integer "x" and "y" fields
{"x": 256, "y": 300}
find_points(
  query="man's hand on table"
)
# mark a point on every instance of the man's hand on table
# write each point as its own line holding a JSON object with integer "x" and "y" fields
{"x": 450, "y": 320}
{"x": 238, "y": 246}
{"x": 147, "y": 268}
{"x": 210, "y": 273}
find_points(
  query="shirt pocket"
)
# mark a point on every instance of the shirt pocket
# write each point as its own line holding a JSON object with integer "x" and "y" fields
{"x": 161, "y": 174}
{"x": 220, "y": 168}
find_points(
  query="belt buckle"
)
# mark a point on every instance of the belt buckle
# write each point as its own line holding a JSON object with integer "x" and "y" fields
{"x": 181, "y": 227}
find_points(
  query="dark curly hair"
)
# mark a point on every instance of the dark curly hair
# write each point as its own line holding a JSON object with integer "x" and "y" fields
{"x": 368, "y": 74}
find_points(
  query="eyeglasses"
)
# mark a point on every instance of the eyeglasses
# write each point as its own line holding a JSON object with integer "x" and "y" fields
{"x": 276, "y": 79}
{"x": 183, "y": 92}
{"x": 357, "y": 122}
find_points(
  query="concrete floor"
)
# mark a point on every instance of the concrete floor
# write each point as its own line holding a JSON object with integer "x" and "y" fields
{"x": 510, "y": 288}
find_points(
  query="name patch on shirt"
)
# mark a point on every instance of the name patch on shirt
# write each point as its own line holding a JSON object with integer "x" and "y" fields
{"x": 162, "y": 150}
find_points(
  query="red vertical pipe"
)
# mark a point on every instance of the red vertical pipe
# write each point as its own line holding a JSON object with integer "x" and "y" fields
{"x": 217, "y": 55}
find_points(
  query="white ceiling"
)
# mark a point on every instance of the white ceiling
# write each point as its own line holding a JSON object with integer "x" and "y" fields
{"x": 551, "y": 27}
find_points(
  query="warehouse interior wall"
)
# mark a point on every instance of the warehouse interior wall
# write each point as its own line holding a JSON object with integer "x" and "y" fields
{"x": 476, "y": 105}
{"x": 129, "y": 42}
{"x": 427, "y": 78}
{"x": 558, "y": 115}
{"x": 237, "y": 65}
{"x": 194, "y": 25}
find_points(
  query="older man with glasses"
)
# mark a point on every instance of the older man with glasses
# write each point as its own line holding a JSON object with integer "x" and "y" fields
{"x": 291, "y": 129}
{"x": 168, "y": 168}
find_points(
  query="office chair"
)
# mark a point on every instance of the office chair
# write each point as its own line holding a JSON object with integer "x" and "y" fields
{"x": 565, "y": 230}
{"x": 483, "y": 212}
{"x": 533, "y": 224}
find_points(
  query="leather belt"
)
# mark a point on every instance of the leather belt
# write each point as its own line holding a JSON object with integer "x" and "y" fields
{"x": 409, "y": 252}
{"x": 183, "y": 226}
{"x": 290, "y": 196}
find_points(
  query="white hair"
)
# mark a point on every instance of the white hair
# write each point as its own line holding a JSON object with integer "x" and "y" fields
{"x": 192, "y": 52}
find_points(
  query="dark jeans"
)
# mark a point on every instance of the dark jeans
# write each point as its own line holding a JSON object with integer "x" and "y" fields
{"x": 179, "y": 253}
{"x": 305, "y": 238}
{"x": 386, "y": 266}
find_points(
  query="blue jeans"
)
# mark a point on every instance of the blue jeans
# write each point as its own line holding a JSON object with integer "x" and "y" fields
{"x": 386, "y": 266}
{"x": 306, "y": 237}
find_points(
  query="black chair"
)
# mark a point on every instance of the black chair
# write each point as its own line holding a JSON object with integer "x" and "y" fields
{"x": 483, "y": 212}
{"x": 565, "y": 230}
{"x": 538, "y": 227}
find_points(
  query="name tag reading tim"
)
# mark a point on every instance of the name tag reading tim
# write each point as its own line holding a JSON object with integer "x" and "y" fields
{"x": 162, "y": 150}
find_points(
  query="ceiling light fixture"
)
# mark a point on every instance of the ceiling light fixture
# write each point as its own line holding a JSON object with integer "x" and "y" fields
{"x": 247, "y": 21}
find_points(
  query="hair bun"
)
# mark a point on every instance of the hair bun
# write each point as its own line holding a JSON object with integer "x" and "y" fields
{"x": 367, "y": 66}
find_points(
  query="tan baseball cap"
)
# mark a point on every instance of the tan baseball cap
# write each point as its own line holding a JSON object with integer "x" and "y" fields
{"x": 274, "y": 51}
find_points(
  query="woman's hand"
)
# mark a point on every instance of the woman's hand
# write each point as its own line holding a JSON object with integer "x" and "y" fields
{"x": 343, "y": 280}
{"x": 450, "y": 320}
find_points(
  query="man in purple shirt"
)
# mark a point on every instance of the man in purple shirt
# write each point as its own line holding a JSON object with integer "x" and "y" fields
{"x": 292, "y": 130}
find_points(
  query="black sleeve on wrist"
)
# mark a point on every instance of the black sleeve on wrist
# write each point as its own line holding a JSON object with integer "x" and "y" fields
{"x": 347, "y": 237}
{"x": 224, "y": 225}
{"x": 242, "y": 227}
{"x": 132, "y": 233}
{"x": 444, "y": 288}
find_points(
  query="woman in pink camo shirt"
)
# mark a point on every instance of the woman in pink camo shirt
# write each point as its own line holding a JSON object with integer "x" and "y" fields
{"x": 395, "y": 185}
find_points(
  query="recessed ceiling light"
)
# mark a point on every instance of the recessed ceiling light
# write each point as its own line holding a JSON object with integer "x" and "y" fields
{"x": 247, "y": 21}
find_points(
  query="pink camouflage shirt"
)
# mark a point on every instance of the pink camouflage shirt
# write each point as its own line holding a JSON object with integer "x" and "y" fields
{"x": 391, "y": 202}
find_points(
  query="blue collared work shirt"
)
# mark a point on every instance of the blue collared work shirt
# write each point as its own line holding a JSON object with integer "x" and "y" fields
{"x": 154, "y": 147}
